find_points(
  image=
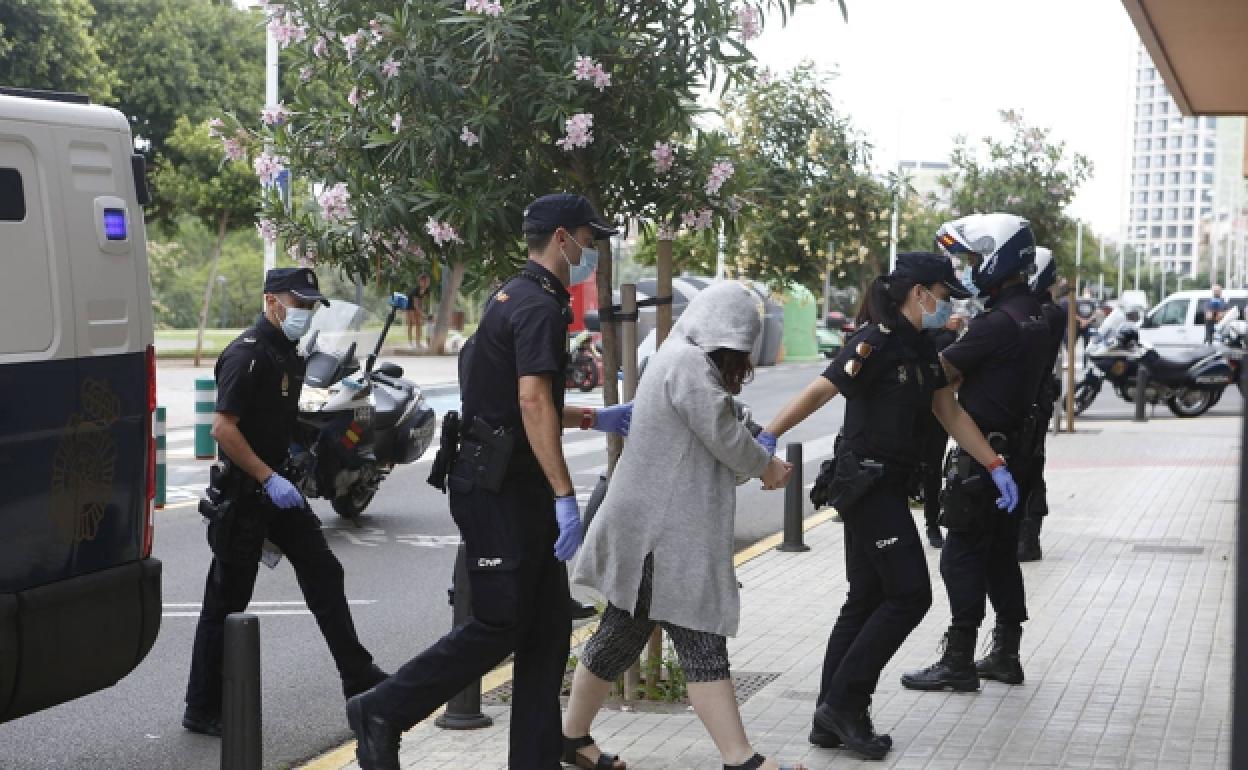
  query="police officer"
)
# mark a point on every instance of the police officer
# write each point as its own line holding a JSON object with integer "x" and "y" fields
{"x": 513, "y": 501}
{"x": 890, "y": 376}
{"x": 996, "y": 366}
{"x": 259, "y": 376}
{"x": 1036, "y": 505}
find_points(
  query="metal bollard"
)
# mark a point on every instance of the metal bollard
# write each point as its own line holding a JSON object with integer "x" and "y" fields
{"x": 463, "y": 712}
{"x": 162, "y": 478}
{"x": 205, "y": 404}
{"x": 1141, "y": 387}
{"x": 794, "y": 504}
{"x": 241, "y": 744}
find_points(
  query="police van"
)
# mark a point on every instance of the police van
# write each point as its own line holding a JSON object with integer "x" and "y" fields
{"x": 79, "y": 590}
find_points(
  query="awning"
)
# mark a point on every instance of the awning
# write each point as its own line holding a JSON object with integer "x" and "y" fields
{"x": 1200, "y": 47}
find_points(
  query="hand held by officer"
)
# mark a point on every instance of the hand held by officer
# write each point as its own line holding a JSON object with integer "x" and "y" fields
{"x": 1004, "y": 480}
{"x": 568, "y": 516}
{"x": 614, "y": 419}
{"x": 282, "y": 492}
{"x": 776, "y": 475}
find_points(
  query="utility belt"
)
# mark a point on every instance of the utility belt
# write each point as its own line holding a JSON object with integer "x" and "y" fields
{"x": 843, "y": 480}
{"x": 969, "y": 495}
{"x": 484, "y": 457}
{"x": 225, "y": 506}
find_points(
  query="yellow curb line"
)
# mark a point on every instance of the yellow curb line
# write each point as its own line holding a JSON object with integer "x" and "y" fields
{"x": 338, "y": 758}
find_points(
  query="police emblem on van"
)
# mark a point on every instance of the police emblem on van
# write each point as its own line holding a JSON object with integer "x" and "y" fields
{"x": 84, "y": 463}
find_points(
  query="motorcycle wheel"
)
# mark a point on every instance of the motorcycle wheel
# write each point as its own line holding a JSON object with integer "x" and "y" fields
{"x": 585, "y": 375}
{"x": 1084, "y": 396}
{"x": 352, "y": 504}
{"x": 1191, "y": 403}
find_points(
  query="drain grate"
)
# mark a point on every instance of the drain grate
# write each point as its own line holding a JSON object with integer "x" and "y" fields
{"x": 747, "y": 684}
{"x": 1192, "y": 550}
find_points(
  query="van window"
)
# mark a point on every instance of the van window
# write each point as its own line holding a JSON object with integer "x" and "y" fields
{"x": 12, "y": 196}
{"x": 1173, "y": 313}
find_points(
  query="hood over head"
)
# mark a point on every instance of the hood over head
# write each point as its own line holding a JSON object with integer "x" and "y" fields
{"x": 726, "y": 314}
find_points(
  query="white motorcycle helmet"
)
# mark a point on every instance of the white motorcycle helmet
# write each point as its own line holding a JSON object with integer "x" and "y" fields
{"x": 1002, "y": 243}
{"x": 1045, "y": 273}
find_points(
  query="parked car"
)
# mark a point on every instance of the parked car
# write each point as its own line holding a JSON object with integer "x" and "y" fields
{"x": 1178, "y": 322}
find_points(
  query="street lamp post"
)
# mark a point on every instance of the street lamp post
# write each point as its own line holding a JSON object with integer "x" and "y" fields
{"x": 270, "y": 100}
{"x": 1078, "y": 253}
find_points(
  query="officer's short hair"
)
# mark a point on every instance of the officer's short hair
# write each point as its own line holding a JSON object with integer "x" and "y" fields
{"x": 538, "y": 241}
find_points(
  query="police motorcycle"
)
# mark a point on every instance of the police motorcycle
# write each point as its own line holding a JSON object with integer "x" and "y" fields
{"x": 1189, "y": 385}
{"x": 355, "y": 422}
{"x": 1231, "y": 338}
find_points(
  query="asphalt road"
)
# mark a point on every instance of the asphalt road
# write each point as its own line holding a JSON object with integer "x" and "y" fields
{"x": 398, "y": 562}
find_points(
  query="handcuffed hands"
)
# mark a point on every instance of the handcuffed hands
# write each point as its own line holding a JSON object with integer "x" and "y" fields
{"x": 776, "y": 475}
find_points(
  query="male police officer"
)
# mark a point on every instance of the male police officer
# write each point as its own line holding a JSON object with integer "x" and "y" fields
{"x": 1036, "y": 505}
{"x": 259, "y": 376}
{"x": 513, "y": 501}
{"x": 997, "y": 367}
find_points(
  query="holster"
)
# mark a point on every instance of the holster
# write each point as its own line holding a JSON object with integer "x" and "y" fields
{"x": 843, "y": 480}
{"x": 448, "y": 450}
{"x": 487, "y": 452}
{"x": 221, "y": 504}
{"x": 966, "y": 490}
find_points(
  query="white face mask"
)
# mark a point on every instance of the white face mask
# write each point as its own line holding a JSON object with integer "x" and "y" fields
{"x": 578, "y": 274}
{"x": 296, "y": 322}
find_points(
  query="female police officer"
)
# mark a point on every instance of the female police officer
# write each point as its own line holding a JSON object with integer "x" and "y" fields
{"x": 890, "y": 376}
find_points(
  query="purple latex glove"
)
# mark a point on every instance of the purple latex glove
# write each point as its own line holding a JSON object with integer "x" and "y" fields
{"x": 282, "y": 492}
{"x": 568, "y": 516}
{"x": 614, "y": 419}
{"x": 767, "y": 441}
{"x": 1005, "y": 485}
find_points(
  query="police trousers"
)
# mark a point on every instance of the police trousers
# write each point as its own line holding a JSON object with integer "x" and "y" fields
{"x": 1036, "y": 503}
{"x": 232, "y": 577}
{"x": 979, "y": 562}
{"x": 519, "y": 606}
{"x": 889, "y": 593}
{"x": 935, "y": 442}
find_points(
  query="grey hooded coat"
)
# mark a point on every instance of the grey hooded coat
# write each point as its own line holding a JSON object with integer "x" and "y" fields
{"x": 673, "y": 492}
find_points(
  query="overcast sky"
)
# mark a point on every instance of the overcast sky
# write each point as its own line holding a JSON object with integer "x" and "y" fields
{"x": 916, "y": 73}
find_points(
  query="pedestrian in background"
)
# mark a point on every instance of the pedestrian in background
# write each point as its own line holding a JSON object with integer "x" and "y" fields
{"x": 417, "y": 298}
{"x": 259, "y": 376}
{"x": 661, "y": 546}
{"x": 1215, "y": 311}
{"x": 513, "y": 500}
{"x": 891, "y": 378}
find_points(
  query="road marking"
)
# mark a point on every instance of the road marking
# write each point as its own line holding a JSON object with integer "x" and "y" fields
{"x": 191, "y": 609}
{"x": 429, "y": 541}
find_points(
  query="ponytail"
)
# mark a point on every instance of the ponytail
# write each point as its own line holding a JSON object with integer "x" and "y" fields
{"x": 882, "y": 303}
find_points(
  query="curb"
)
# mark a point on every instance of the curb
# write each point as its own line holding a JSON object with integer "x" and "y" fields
{"x": 340, "y": 757}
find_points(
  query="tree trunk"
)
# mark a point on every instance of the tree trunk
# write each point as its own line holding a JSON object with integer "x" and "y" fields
{"x": 222, "y": 224}
{"x": 451, "y": 281}
{"x": 610, "y": 341}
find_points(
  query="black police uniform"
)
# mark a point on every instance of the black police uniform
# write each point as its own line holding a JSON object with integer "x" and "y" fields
{"x": 1036, "y": 505}
{"x": 520, "y": 600}
{"x": 259, "y": 376}
{"x": 935, "y": 440}
{"x": 888, "y": 376}
{"x": 1001, "y": 357}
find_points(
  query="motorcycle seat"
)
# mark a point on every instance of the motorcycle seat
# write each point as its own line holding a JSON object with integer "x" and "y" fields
{"x": 1181, "y": 361}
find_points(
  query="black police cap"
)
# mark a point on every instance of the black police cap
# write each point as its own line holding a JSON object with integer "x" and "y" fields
{"x": 567, "y": 210}
{"x": 929, "y": 268}
{"x": 299, "y": 281}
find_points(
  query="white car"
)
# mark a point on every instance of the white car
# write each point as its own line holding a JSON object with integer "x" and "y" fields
{"x": 1178, "y": 322}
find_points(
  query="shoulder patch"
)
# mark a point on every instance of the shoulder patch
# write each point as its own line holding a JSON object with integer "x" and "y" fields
{"x": 864, "y": 349}
{"x": 853, "y": 366}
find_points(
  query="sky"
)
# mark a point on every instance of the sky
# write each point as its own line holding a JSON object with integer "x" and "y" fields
{"x": 914, "y": 74}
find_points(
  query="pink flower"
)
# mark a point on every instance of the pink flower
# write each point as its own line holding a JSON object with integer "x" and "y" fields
{"x": 353, "y": 98}
{"x": 275, "y": 115}
{"x": 390, "y": 68}
{"x": 397, "y": 123}
{"x": 1013, "y": 200}
{"x": 268, "y": 166}
{"x": 305, "y": 74}
{"x": 467, "y": 137}
{"x": 704, "y": 220}
{"x": 586, "y": 68}
{"x": 601, "y": 80}
{"x": 751, "y": 22}
{"x": 721, "y": 172}
{"x": 484, "y": 7}
{"x": 688, "y": 219}
{"x": 441, "y": 232}
{"x": 321, "y": 47}
{"x": 663, "y": 156}
{"x": 578, "y": 131}
{"x": 267, "y": 229}
{"x": 286, "y": 29}
{"x": 765, "y": 77}
{"x": 214, "y": 127}
{"x": 375, "y": 27}
{"x": 234, "y": 150}
{"x": 305, "y": 257}
{"x": 351, "y": 43}
{"x": 667, "y": 232}
{"x": 335, "y": 203}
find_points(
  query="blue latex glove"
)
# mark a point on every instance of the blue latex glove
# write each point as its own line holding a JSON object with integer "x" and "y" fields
{"x": 1005, "y": 485}
{"x": 614, "y": 419}
{"x": 282, "y": 492}
{"x": 568, "y": 515}
{"x": 767, "y": 441}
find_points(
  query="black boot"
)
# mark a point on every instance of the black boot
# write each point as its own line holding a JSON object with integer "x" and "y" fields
{"x": 377, "y": 741}
{"x": 1002, "y": 662}
{"x": 1029, "y": 539}
{"x": 826, "y": 739}
{"x": 954, "y": 671}
{"x": 934, "y": 537}
{"x": 854, "y": 728}
{"x": 363, "y": 682}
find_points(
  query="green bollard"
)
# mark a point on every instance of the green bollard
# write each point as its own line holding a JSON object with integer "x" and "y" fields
{"x": 205, "y": 404}
{"x": 158, "y": 430}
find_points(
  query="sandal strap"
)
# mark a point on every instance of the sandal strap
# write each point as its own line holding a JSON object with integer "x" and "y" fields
{"x": 578, "y": 743}
{"x": 753, "y": 763}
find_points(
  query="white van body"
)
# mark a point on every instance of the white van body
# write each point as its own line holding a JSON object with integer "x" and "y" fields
{"x": 1177, "y": 323}
{"x": 79, "y": 591}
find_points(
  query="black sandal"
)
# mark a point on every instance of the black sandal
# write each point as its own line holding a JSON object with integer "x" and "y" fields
{"x": 573, "y": 756}
{"x": 756, "y": 761}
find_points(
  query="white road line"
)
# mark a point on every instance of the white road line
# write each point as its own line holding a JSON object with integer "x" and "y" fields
{"x": 195, "y": 605}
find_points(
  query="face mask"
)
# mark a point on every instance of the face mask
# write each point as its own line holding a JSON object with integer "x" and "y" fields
{"x": 968, "y": 280}
{"x": 296, "y": 322}
{"x": 578, "y": 274}
{"x": 938, "y": 317}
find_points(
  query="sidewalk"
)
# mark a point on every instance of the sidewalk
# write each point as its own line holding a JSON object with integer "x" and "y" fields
{"x": 1128, "y": 653}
